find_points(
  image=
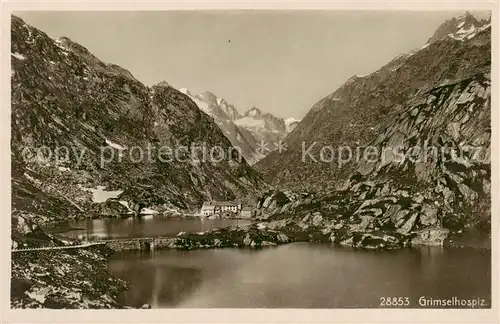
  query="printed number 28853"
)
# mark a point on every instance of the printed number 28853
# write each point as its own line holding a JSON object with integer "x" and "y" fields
{"x": 394, "y": 301}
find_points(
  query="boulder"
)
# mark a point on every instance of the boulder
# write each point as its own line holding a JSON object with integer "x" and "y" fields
{"x": 267, "y": 202}
{"x": 317, "y": 219}
{"x": 400, "y": 217}
{"x": 306, "y": 218}
{"x": 283, "y": 238}
{"x": 430, "y": 236}
{"x": 408, "y": 225}
{"x": 418, "y": 198}
{"x": 346, "y": 242}
{"x": 338, "y": 226}
{"x": 247, "y": 240}
{"x": 376, "y": 240}
{"x": 428, "y": 215}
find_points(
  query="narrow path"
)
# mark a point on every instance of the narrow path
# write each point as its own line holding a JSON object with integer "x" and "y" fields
{"x": 59, "y": 247}
{"x": 84, "y": 245}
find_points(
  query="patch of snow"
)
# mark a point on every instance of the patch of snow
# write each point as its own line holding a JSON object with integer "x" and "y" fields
{"x": 100, "y": 195}
{"x": 416, "y": 50}
{"x": 461, "y": 24}
{"x": 464, "y": 34}
{"x": 29, "y": 32}
{"x": 124, "y": 203}
{"x": 61, "y": 168}
{"x": 202, "y": 105}
{"x": 291, "y": 120}
{"x": 148, "y": 211}
{"x": 30, "y": 178}
{"x": 59, "y": 44}
{"x": 18, "y": 56}
{"x": 115, "y": 145}
{"x": 471, "y": 29}
{"x": 39, "y": 295}
{"x": 400, "y": 56}
{"x": 250, "y": 122}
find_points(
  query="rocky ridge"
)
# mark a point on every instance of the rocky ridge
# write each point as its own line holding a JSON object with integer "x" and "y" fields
{"x": 357, "y": 111}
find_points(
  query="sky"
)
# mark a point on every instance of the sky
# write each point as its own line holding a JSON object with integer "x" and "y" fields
{"x": 281, "y": 62}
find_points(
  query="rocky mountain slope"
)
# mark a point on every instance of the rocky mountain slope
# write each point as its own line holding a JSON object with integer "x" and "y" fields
{"x": 432, "y": 171}
{"x": 422, "y": 124}
{"x": 61, "y": 279}
{"x": 79, "y": 123}
{"x": 353, "y": 115}
{"x": 255, "y": 132}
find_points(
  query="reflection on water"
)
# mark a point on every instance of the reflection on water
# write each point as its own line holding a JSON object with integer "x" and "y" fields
{"x": 146, "y": 226}
{"x": 300, "y": 275}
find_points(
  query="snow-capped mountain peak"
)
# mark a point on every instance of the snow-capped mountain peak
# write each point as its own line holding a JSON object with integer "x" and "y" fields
{"x": 291, "y": 120}
{"x": 460, "y": 28}
{"x": 291, "y": 123}
{"x": 185, "y": 91}
{"x": 253, "y": 112}
{"x": 246, "y": 130}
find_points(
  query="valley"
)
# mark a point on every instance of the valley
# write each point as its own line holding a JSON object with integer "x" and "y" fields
{"x": 389, "y": 172}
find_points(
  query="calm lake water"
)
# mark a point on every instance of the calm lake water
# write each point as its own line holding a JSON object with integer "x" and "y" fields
{"x": 146, "y": 226}
{"x": 300, "y": 275}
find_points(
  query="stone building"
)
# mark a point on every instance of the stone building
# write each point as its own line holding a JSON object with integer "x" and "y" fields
{"x": 217, "y": 207}
{"x": 247, "y": 212}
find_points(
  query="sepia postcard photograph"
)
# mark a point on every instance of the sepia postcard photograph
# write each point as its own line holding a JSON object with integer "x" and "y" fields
{"x": 247, "y": 158}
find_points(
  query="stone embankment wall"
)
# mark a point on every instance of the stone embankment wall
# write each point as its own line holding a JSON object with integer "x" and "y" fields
{"x": 140, "y": 244}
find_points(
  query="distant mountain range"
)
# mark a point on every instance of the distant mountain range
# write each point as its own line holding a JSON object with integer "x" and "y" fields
{"x": 255, "y": 132}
